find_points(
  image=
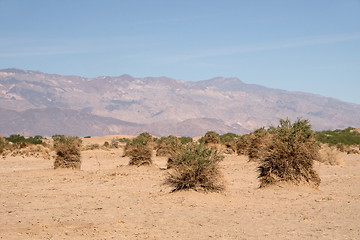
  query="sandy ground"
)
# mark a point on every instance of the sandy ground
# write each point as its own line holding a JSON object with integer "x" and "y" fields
{"x": 107, "y": 199}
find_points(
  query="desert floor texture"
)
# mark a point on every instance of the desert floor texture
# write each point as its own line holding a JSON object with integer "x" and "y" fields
{"x": 107, "y": 199}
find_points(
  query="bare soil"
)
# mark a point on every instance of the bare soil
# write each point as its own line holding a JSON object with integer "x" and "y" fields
{"x": 107, "y": 199}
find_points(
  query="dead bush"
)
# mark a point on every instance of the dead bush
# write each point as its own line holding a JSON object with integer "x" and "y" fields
{"x": 68, "y": 154}
{"x": 290, "y": 155}
{"x": 211, "y": 137}
{"x": 31, "y": 150}
{"x": 139, "y": 151}
{"x": 330, "y": 155}
{"x": 242, "y": 144}
{"x": 259, "y": 140}
{"x": 3, "y": 144}
{"x": 196, "y": 167}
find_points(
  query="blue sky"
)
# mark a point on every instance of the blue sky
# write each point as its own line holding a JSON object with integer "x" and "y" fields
{"x": 305, "y": 45}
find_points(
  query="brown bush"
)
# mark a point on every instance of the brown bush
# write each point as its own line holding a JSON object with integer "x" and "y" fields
{"x": 330, "y": 155}
{"x": 92, "y": 146}
{"x": 2, "y": 144}
{"x": 196, "y": 167}
{"x": 259, "y": 141}
{"x": 211, "y": 137}
{"x": 68, "y": 154}
{"x": 139, "y": 151}
{"x": 290, "y": 155}
{"x": 242, "y": 144}
{"x": 31, "y": 150}
{"x": 168, "y": 146}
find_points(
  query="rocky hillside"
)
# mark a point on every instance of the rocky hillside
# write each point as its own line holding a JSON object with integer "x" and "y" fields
{"x": 32, "y": 103}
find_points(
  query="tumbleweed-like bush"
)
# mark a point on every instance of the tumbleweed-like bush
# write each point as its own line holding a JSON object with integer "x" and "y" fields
{"x": 242, "y": 144}
{"x": 2, "y": 144}
{"x": 330, "y": 155}
{"x": 290, "y": 155}
{"x": 211, "y": 137}
{"x": 139, "y": 151}
{"x": 259, "y": 141}
{"x": 229, "y": 140}
{"x": 196, "y": 167}
{"x": 68, "y": 153}
{"x": 168, "y": 146}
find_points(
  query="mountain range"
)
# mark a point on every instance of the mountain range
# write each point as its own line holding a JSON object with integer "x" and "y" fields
{"x": 36, "y": 103}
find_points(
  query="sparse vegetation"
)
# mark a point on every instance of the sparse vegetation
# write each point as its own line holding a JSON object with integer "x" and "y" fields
{"x": 3, "y": 143}
{"x": 17, "y": 138}
{"x": 139, "y": 151}
{"x": 115, "y": 142}
{"x": 196, "y": 167}
{"x": 330, "y": 155}
{"x": 290, "y": 155}
{"x": 243, "y": 144}
{"x": 167, "y": 146}
{"x": 259, "y": 140}
{"x": 91, "y": 146}
{"x": 229, "y": 141}
{"x": 348, "y": 137}
{"x": 68, "y": 154}
{"x": 185, "y": 140}
{"x": 211, "y": 137}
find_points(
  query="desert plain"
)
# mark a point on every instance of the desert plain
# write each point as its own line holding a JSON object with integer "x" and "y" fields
{"x": 108, "y": 199}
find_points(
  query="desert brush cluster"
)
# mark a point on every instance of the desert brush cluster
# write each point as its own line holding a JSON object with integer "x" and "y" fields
{"x": 285, "y": 153}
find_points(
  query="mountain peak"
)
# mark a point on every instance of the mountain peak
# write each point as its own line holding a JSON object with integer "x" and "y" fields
{"x": 154, "y": 101}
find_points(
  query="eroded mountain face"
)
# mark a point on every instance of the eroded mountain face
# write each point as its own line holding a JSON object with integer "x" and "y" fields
{"x": 160, "y": 105}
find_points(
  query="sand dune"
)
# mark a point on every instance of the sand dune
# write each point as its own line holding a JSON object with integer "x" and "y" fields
{"x": 107, "y": 199}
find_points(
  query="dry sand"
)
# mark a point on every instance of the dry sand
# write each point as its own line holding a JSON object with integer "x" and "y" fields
{"x": 107, "y": 199}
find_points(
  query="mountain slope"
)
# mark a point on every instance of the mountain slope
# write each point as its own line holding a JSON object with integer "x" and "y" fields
{"x": 164, "y": 105}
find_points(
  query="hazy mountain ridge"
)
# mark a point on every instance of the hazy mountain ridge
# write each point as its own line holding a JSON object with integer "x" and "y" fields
{"x": 162, "y": 105}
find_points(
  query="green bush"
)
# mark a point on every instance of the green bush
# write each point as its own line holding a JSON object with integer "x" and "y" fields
{"x": 146, "y": 135}
{"x": 35, "y": 140}
{"x": 348, "y": 136}
{"x": 290, "y": 155}
{"x": 229, "y": 141}
{"x": 185, "y": 140}
{"x": 68, "y": 154}
{"x": 196, "y": 167}
{"x": 228, "y": 137}
{"x": 15, "y": 138}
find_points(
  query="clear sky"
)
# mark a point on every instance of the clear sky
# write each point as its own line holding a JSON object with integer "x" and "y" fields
{"x": 304, "y": 45}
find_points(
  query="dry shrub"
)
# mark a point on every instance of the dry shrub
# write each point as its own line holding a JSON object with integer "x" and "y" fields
{"x": 211, "y": 137}
{"x": 259, "y": 141}
{"x": 196, "y": 167}
{"x": 290, "y": 155}
{"x": 242, "y": 144}
{"x": 229, "y": 148}
{"x": 31, "y": 150}
{"x": 352, "y": 150}
{"x": 228, "y": 141}
{"x": 3, "y": 144}
{"x": 330, "y": 155}
{"x": 68, "y": 154}
{"x": 168, "y": 146}
{"x": 92, "y": 146}
{"x": 139, "y": 151}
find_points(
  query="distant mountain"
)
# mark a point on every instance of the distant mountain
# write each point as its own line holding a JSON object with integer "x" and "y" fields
{"x": 33, "y": 102}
